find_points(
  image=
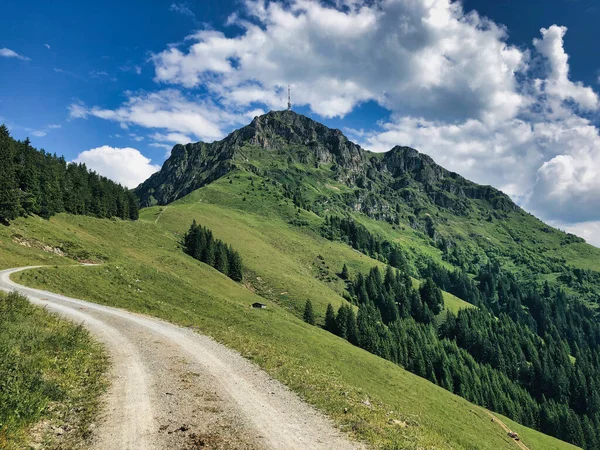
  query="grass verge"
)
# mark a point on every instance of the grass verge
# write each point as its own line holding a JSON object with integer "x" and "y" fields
{"x": 51, "y": 377}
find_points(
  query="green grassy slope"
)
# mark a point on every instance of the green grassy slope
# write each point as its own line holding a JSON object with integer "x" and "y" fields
{"x": 50, "y": 370}
{"x": 146, "y": 271}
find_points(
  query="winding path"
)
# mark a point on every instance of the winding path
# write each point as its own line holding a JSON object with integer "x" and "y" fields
{"x": 172, "y": 388}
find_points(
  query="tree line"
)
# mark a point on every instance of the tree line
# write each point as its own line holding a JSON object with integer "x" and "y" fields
{"x": 546, "y": 381}
{"x": 200, "y": 244}
{"x": 359, "y": 238}
{"x": 35, "y": 182}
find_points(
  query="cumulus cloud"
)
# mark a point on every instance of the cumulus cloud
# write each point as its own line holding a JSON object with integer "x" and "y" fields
{"x": 546, "y": 156}
{"x": 557, "y": 83}
{"x": 411, "y": 57}
{"x": 123, "y": 165}
{"x": 169, "y": 110}
{"x": 8, "y": 53}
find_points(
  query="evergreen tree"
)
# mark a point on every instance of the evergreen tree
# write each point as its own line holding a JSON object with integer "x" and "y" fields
{"x": 221, "y": 261}
{"x": 309, "y": 315}
{"x": 330, "y": 323}
{"x": 199, "y": 243}
{"x": 235, "y": 266}
{"x": 431, "y": 296}
{"x": 345, "y": 275}
{"x": 341, "y": 321}
{"x": 36, "y": 182}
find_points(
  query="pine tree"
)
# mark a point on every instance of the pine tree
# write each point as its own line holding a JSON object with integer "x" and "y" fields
{"x": 341, "y": 322}
{"x": 208, "y": 253}
{"x": 431, "y": 295}
{"x": 221, "y": 261}
{"x": 36, "y": 182}
{"x": 9, "y": 199}
{"x": 330, "y": 324}
{"x": 351, "y": 330}
{"x": 345, "y": 275}
{"x": 309, "y": 315}
{"x": 235, "y": 266}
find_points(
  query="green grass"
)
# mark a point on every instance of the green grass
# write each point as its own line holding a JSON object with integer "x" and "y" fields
{"x": 146, "y": 271}
{"x": 49, "y": 368}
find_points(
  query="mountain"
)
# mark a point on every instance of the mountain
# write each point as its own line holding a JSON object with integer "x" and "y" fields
{"x": 433, "y": 297}
{"x": 533, "y": 286}
{"x": 292, "y": 138}
{"x": 327, "y": 174}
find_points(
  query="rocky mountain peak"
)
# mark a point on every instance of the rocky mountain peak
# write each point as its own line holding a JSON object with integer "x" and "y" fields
{"x": 292, "y": 139}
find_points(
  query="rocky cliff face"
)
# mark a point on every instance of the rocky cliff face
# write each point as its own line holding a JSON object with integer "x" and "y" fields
{"x": 402, "y": 174}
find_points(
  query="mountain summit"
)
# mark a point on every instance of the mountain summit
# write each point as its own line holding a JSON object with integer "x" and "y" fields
{"x": 279, "y": 143}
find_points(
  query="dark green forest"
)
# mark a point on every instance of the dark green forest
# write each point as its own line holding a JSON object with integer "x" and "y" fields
{"x": 200, "y": 244}
{"x": 530, "y": 352}
{"x": 35, "y": 182}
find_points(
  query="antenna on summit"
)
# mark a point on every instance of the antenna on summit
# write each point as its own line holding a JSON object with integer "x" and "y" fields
{"x": 289, "y": 98}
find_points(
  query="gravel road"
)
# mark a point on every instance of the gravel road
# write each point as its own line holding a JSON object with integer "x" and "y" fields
{"x": 172, "y": 388}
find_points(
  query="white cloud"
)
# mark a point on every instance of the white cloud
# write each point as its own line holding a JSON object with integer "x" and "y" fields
{"x": 8, "y": 53}
{"x": 182, "y": 9}
{"x": 47, "y": 46}
{"x": 169, "y": 110}
{"x": 557, "y": 83}
{"x": 43, "y": 131}
{"x": 547, "y": 156}
{"x": 176, "y": 138}
{"x": 159, "y": 145}
{"x": 66, "y": 72}
{"x": 135, "y": 137}
{"x": 131, "y": 68}
{"x": 415, "y": 57}
{"x": 102, "y": 74}
{"x": 123, "y": 165}
{"x": 77, "y": 111}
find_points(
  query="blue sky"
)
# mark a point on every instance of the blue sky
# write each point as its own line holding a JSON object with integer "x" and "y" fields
{"x": 117, "y": 83}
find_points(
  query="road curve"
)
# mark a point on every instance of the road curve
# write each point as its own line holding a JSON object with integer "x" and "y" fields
{"x": 172, "y": 388}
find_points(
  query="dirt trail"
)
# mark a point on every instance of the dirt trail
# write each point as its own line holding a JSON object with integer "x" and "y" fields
{"x": 172, "y": 388}
{"x": 506, "y": 429}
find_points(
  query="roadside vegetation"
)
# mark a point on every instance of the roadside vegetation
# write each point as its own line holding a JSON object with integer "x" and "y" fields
{"x": 51, "y": 377}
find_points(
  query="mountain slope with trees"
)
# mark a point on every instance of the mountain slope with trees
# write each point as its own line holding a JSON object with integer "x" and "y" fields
{"x": 317, "y": 221}
{"x": 539, "y": 367}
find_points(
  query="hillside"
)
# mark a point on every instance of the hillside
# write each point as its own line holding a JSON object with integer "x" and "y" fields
{"x": 298, "y": 201}
{"x": 327, "y": 371}
{"x": 472, "y": 240}
{"x": 401, "y": 194}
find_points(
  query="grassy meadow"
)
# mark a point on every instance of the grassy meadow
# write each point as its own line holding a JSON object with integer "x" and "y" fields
{"x": 146, "y": 271}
